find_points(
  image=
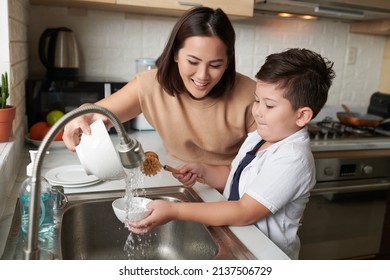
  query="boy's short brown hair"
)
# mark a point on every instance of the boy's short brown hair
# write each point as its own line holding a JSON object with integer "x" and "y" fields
{"x": 304, "y": 75}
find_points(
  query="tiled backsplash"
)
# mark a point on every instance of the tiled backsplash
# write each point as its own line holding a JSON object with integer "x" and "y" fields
{"x": 111, "y": 41}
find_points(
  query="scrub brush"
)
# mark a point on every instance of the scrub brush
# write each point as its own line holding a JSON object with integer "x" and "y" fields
{"x": 151, "y": 166}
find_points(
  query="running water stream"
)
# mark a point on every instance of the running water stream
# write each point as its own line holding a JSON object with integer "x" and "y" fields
{"x": 136, "y": 244}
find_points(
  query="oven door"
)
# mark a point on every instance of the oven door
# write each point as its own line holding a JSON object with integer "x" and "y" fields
{"x": 344, "y": 220}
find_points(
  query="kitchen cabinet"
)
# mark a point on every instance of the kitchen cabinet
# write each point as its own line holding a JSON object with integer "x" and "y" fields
{"x": 72, "y": 3}
{"x": 375, "y": 27}
{"x": 385, "y": 243}
{"x": 235, "y": 9}
{"x": 370, "y": 4}
{"x": 364, "y": 3}
{"x": 384, "y": 84}
{"x": 238, "y": 8}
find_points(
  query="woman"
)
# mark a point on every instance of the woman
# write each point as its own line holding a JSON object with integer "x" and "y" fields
{"x": 195, "y": 100}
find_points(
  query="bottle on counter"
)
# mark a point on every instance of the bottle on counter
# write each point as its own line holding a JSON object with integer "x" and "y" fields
{"x": 46, "y": 222}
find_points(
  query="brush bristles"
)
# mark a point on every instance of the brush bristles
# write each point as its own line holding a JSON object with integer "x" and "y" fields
{"x": 151, "y": 166}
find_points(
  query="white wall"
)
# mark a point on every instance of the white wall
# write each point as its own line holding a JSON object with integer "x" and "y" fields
{"x": 4, "y": 45}
{"x": 13, "y": 59}
{"x": 111, "y": 41}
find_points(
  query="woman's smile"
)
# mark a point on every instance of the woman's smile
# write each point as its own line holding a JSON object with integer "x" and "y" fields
{"x": 200, "y": 85}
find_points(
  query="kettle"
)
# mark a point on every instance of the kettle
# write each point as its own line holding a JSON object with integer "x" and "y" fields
{"x": 59, "y": 53}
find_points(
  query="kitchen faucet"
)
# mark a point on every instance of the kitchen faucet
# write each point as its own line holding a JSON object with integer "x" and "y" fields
{"x": 130, "y": 153}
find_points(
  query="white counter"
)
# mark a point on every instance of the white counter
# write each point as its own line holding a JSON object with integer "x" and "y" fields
{"x": 250, "y": 236}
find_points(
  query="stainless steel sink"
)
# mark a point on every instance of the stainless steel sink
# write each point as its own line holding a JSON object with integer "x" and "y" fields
{"x": 88, "y": 229}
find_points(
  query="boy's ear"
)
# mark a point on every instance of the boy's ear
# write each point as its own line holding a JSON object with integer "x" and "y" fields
{"x": 305, "y": 114}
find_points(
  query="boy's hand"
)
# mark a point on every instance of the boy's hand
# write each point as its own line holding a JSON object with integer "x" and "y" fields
{"x": 188, "y": 174}
{"x": 162, "y": 212}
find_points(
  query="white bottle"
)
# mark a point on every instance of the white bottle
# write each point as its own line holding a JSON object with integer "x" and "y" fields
{"x": 46, "y": 222}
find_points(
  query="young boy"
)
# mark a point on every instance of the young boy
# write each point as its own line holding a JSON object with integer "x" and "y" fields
{"x": 271, "y": 177}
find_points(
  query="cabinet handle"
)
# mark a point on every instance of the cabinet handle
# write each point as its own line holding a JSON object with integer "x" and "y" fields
{"x": 185, "y": 3}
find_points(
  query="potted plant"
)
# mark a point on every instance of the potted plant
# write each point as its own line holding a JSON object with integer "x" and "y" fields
{"x": 7, "y": 112}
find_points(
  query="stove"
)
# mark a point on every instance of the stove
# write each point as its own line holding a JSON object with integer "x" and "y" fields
{"x": 331, "y": 135}
{"x": 329, "y": 129}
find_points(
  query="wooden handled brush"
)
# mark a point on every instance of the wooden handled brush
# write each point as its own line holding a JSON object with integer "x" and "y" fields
{"x": 151, "y": 166}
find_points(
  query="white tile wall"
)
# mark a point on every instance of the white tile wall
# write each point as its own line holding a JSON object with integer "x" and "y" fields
{"x": 111, "y": 41}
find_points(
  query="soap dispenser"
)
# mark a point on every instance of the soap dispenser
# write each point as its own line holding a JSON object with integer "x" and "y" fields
{"x": 46, "y": 222}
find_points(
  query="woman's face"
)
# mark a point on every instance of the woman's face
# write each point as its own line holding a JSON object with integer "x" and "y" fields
{"x": 201, "y": 61}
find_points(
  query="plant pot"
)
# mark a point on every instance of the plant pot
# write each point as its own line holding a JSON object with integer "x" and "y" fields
{"x": 7, "y": 116}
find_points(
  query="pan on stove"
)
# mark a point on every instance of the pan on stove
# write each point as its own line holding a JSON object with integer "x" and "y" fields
{"x": 356, "y": 119}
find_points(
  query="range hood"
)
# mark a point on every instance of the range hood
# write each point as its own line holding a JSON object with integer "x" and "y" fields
{"x": 346, "y": 10}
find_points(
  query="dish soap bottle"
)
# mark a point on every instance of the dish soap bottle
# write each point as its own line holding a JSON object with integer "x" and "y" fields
{"x": 46, "y": 222}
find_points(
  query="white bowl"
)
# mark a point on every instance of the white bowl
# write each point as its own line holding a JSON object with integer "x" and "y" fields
{"x": 137, "y": 208}
{"x": 98, "y": 155}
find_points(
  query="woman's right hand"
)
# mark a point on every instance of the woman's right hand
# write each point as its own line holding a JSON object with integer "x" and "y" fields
{"x": 73, "y": 130}
{"x": 77, "y": 126}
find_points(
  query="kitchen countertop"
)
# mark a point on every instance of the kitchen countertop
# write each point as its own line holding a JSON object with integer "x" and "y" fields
{"x": 260, "y": 246}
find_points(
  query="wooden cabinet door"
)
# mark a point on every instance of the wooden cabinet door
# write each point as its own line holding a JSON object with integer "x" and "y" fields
{"x": 235, "y": 9}
{"x": 383, "y": 4}
{"x": 71, "y": 2}
{"x": 239, "y": 8}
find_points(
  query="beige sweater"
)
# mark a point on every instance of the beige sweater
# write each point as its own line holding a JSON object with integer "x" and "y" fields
{"x": 205, "y": 131}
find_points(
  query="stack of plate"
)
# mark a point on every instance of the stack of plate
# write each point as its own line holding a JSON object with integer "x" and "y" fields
{"x": 53, "y": 144}
{"x": 70, "y": 176}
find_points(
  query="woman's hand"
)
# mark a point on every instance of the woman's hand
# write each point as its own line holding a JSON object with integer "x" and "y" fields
{"x": 74, "y": 128}
{"x": 162, "y": 212}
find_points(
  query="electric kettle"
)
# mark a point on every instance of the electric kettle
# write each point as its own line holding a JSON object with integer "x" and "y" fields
{"x": 59, "y": 53}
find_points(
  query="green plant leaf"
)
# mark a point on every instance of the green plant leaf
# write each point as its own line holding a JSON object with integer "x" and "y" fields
{"x": 4, "y": 90}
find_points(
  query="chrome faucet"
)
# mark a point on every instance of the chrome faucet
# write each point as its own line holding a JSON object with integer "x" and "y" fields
{"x": 130, "y": 153}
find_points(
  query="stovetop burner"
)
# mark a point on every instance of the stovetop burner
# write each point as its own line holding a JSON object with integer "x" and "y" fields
{"x": 329, "y": 129}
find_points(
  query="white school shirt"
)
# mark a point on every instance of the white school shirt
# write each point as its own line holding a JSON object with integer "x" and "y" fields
{"x": 279, "y": 177}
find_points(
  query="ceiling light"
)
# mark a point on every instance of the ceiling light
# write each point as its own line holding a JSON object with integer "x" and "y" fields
{"x": 308, "y": 17}
{"x": 285, "y": 14}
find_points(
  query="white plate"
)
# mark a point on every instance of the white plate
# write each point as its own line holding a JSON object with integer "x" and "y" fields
{"x": 54, "y": 144}
{"x": 81, "y": 185}
{"x": 70, "y": 175}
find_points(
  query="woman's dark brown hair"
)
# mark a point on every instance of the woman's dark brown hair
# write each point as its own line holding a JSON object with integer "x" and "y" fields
{"x": 200, "y": 21}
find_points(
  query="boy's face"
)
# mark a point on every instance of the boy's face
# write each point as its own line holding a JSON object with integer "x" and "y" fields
{"x": 273, "y": 113}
